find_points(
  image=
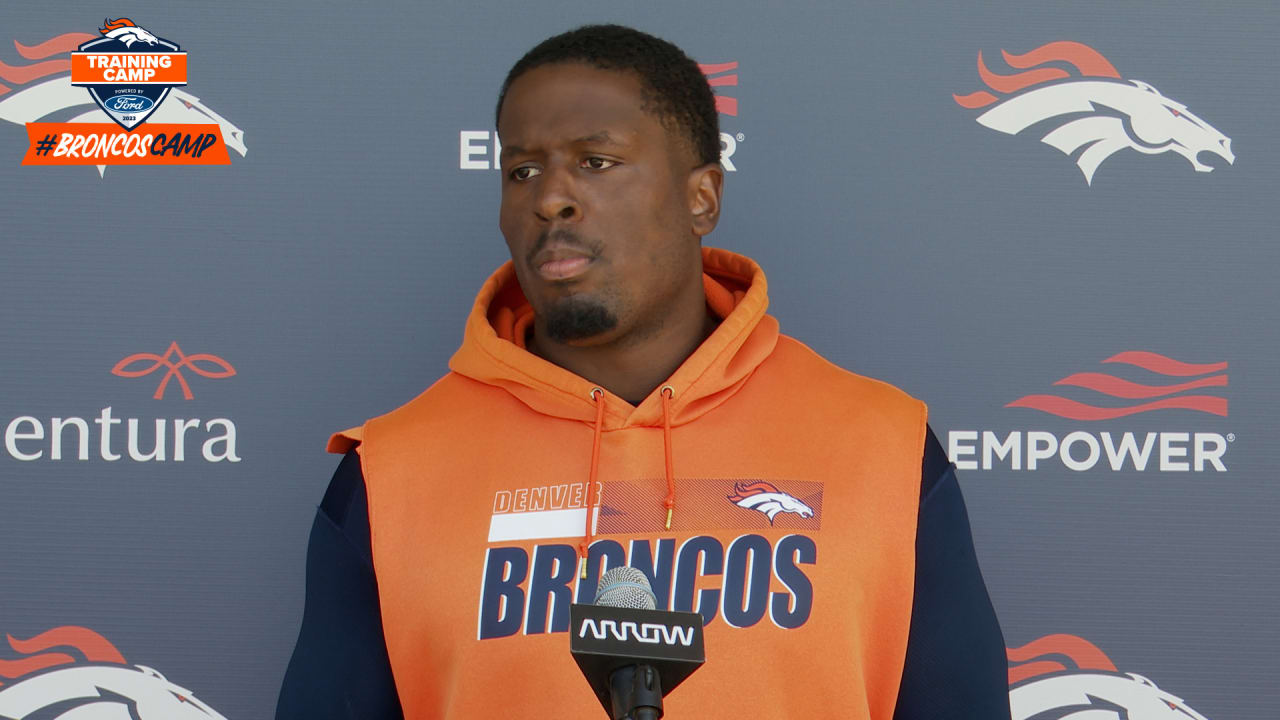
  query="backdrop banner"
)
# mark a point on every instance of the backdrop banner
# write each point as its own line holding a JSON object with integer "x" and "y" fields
{"x": 231, "y": 230}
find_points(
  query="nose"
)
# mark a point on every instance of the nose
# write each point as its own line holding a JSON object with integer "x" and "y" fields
{"x": 556, "y": 199}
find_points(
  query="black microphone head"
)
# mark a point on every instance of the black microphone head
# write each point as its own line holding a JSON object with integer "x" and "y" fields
{"x": 623, "y": 629}
{"x": 626, "y": 587}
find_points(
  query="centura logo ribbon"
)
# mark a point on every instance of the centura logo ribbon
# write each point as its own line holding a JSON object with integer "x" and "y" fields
{"x": 174, "y": 360}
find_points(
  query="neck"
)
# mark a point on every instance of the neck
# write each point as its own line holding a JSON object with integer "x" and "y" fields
{"x": 635, "y": 365}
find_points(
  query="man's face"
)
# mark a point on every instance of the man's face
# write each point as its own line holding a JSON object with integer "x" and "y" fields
{"x": 596, "y": 204}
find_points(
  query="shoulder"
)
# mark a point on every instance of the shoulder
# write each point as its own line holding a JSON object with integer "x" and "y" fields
{"x": 448, "y": 400}
{"x": 816, "y": 379}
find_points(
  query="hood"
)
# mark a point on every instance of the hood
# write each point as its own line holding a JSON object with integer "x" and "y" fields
{"x": 493, "y": 350}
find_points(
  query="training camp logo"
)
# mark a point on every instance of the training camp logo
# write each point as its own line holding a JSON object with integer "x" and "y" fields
{"x": 1088, "y": 110}
{"x": 128, "y": 83}
{"x": 480, "y": 149}
{"x": 127, "y": 72}
{"x": 47, "y": 681}
{"x": 1064, "y": 677}
{"x": 69, "y": 436}
{"x": 1155, "y": 383}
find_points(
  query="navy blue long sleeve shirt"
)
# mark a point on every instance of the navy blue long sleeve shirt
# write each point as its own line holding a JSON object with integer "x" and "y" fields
{"x": 955, "y": 664}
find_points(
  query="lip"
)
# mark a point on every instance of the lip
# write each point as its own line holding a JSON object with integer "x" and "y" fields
{"x": 560, "y": 263}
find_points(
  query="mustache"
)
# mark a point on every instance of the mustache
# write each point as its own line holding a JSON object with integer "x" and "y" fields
{"x": 563, "y": 237}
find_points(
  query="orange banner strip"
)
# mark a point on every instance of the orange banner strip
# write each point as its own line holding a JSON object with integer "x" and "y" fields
{"x": 128, "y": 68}
{"x": 110, "y": 144}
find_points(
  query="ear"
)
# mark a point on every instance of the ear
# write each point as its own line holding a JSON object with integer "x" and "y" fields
{"x": 704, "y": 188}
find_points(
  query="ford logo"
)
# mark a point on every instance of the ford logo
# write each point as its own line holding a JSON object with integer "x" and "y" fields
{"x": 128, "y": 103}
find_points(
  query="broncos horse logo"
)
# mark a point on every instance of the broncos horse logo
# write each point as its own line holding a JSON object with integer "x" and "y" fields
{"x": 126, "y": 32}
{"x": 768, "y": 499}
{"x": 53, "y": 686}
{"x": 1096, "y": 113}
{"x": 1085, "y": 687}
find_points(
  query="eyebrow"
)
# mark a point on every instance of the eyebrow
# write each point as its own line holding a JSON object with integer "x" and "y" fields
{"x": 601, "y": 137}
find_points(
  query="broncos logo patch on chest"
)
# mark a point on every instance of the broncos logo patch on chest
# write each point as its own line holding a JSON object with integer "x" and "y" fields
{"x": 766, "y": 498}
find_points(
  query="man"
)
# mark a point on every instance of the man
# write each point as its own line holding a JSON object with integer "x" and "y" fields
{"x": 619, "y": 383}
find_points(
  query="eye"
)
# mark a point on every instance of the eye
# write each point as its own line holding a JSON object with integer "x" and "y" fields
{"x": 1175, "y": 112}
{"x": 524, "y": 172}
{"x": 598, "y": 163}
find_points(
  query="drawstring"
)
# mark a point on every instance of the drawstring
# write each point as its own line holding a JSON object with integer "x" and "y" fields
{"x": 668, "y": 394}
{"x": 597, "y": 395}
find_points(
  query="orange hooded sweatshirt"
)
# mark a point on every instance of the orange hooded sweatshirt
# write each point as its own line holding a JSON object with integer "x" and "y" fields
{"x": 790, "y": 486}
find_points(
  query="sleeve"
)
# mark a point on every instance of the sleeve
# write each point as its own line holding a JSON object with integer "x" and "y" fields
{"x": 340, "y": 669}
{"x": 955, "y": 665}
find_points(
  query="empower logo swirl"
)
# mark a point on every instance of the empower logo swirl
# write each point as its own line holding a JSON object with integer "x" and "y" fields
{"x": 718, "y": 76}
{"x": 1184, "y": 395}
{"x": 174, "y": 360}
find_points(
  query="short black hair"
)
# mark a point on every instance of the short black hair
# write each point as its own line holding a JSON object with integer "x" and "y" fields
{"x": 675, "y": 90}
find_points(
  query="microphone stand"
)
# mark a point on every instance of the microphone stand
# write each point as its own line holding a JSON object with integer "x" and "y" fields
{"x": 636, "y": 692}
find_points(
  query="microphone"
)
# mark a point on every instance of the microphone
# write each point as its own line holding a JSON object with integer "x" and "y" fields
{"x": 632, "y": 654}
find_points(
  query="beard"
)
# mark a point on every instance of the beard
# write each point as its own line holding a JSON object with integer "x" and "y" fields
{"x": 577, "y": 318}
